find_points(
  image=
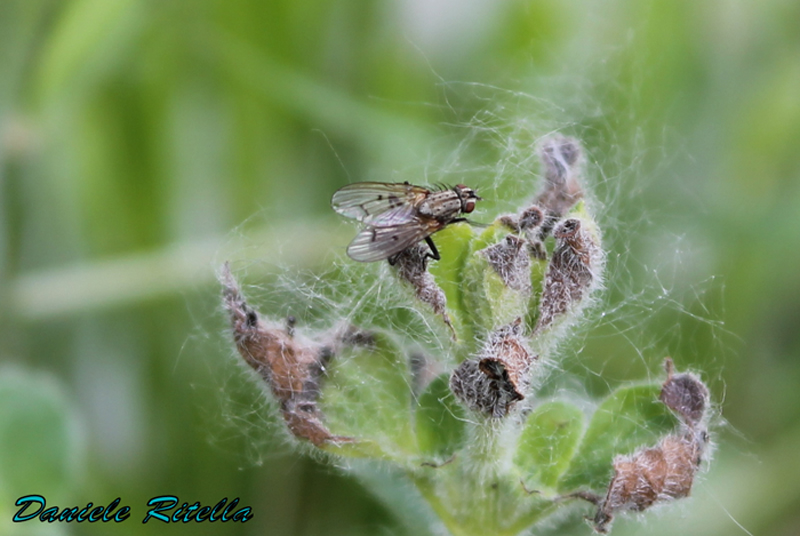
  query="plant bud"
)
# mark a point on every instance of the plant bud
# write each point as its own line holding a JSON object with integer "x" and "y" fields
{"x": 572, "y": 272}
{"x": 511, "y": 261}
{"x": 292, "y": 369}
{"x": 500, "y": 375}
{"x": 667, "y": 471}
{"x": 562, "y": 189}
{"x": 684, "y": 394}
{"x": 663, "y": 473}
{"x": 411, "y": 265}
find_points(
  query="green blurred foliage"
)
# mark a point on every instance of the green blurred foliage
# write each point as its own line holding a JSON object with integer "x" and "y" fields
{"x": 142, "y": 142}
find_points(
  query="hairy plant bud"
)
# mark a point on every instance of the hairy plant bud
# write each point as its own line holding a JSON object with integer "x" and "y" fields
{"x": 684, "y": 394}
{"x": 652, "y": 475}
{"x": 292, "y": 369}
{"x": 572, "y": 272}
{"x": 500, "y": 375}
{"x": 562, "y": 189}
{"x": 529, "y": 224}
{"x": 510, "y": 260}
{"x": 405, "y": 403}
{"x": 411, "y": 265}
{"x": 666, "y": 471}
{"x": 530, "y": 219}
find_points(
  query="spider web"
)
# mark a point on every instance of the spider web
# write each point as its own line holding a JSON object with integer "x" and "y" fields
{"x": 650, "y": 307}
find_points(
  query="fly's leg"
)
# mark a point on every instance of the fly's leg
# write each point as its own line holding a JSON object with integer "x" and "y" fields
{"x": 434, "y": 254}
{"x": 469, "y": 221}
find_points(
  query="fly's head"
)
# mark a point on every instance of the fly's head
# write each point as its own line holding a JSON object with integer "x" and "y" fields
{"x": 467, "y": 196}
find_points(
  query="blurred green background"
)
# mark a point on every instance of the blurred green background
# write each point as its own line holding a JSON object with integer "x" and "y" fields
{"x": 144, "y": 142}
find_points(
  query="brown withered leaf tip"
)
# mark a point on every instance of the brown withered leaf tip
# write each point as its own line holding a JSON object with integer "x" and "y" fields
{"x": 499, "y": 377}
{"x": 570, "y": 273}
{"x": 666, "y": 471}
{"x": 411, "y": 265}
{"x": 510, "y": 221}
{"x": 510, "y": 260}
{"x": 528, "y": 223}
{"x": 530, "y": 219}
{"x": 292, "y": 369}
{"x": 663, "y": 473}
{"x": 684, "y": 394}
{"x": 561, "y": 158}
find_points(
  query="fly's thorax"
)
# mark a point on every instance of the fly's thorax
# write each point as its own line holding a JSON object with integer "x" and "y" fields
{"x": 443, "y": 206}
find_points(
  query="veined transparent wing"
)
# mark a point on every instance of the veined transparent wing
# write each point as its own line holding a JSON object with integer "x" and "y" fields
{"x": 379, "y": 243}
{"x": 394, "y": 216}
{"x": 366, "y": 201}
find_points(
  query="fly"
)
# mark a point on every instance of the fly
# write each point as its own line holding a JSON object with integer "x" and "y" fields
{"x": 398, "y": 215}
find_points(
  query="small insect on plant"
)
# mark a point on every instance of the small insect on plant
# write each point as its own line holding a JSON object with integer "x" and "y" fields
{"x": 398, "y": 215}
{"x": 477, "y": 427}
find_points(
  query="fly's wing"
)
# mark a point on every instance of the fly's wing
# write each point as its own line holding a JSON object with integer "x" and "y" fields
{"x": 369, "y": 201}
{"x": 394, "y": 216}
{"x": 379, "y": 243}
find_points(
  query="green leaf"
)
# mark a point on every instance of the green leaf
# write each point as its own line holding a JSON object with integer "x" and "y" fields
{"x": 38, "y": 449}
{"x": 366, "y": 396}
{"x": 582, "y": 212}
{"x": 87, "y": 34}
{"x": 548, "y": 442}
{"x": 538, "y": 271}
{"x": 490, "y": 303}
{"x": 505, "y": 304}
{"x": 453, "y": 243}
{"x": 469, "y": 505}
{"x": 440, "y": 420}
{"x": 629, "y": 418}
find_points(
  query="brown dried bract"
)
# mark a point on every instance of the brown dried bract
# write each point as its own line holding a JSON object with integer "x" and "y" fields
{"x": 499, "y": 377}
{"x": 561, "y": 158}
{"x": 571, "y": 271}
{"x": 412, "y": 266}
{"x": 684, "y": 394}
{"x": 663, "y": 473}
{"x": 293, "y": 369}
{"x": 530, "y": 219}
{"x": 528, "y": 223}
{"x": 667, "y": 471}
{"x": 511, "y": 261}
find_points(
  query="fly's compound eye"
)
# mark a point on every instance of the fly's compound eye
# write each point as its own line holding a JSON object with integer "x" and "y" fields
{"x": 469, "y": 205}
